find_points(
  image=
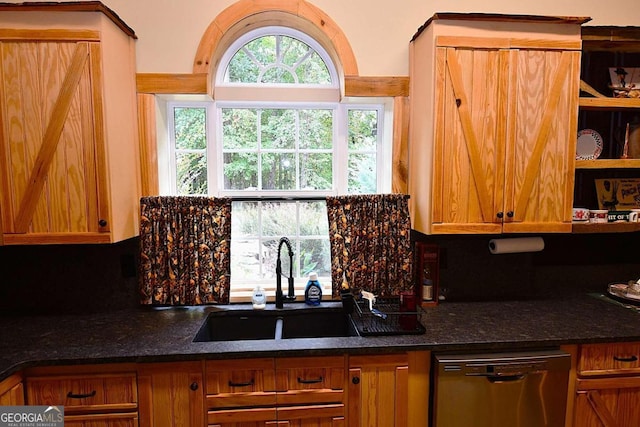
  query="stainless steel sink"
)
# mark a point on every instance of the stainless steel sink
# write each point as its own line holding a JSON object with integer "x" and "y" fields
{"x": 270, "y": 324}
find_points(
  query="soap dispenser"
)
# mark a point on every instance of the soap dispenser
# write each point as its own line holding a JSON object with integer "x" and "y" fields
{"x": 259, "y": 298}
{"x": 313, "y": 291}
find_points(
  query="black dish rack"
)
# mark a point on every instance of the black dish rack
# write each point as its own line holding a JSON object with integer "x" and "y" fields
{"x": 395, "y": 322}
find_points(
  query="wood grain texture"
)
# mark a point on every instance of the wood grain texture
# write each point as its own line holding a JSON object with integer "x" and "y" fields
{"x": 173, "y": 393}
{"x": 379, "y": 395}
{"x": 172, "y": 83}
{"x": 102, "y": 420}
{"x": 51, "y": 138}
{"x": 75, "y": 6}
{"x": 400, "y": 145}
{"x": 12, "y": 391}
{"x": 148, "y": 144}
{"x": 100, "y": 392}
{"x": 607, "y": 359}
{"x": 376, "y": 86}
{"x": 51, "y": 35}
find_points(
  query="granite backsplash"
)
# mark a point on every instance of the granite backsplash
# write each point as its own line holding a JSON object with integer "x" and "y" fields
{"x": 94, "y": 278}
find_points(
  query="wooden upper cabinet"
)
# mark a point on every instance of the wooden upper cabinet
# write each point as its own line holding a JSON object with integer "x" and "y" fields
{"x": 493, "y": 125}
{"x": 69, "y": 150}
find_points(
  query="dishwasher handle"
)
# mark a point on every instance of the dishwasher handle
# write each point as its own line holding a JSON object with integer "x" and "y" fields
{"x": 505, "y": 378}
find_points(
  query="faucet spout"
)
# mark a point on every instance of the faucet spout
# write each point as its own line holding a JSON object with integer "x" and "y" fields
{"x": 291, "y": 291}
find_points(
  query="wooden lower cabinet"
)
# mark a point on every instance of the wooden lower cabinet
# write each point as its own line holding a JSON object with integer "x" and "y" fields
{"x": 379, "y": 391}
{"x": 92, "y": 396}
{"x": 607, "y": 389}
{"x": 288, "y": 391}
{"x": 171, "y": 394}
{"x": 12, "y": 391}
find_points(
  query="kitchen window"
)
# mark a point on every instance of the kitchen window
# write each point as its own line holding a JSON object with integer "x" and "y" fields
{"x": 277, "y": 139}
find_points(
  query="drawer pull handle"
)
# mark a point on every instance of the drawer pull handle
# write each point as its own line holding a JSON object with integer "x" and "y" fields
{"x": 232, "y": 384}
{"x": 626, "y": 359}
{"x": 72, "y": 395}
{"x": 311, "y": 381}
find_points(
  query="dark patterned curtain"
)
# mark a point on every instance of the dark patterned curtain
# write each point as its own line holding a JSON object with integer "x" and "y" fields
{"x": 370, "y": 243}
{"x": 185, "y": 250}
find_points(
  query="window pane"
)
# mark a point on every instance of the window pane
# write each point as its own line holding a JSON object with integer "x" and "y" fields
{"x": 316, "y": 129}
{"x": 362, "y": 174}
{"x": 239, "y": 128}
{"x": 191, "y": 173}
{"x": 315, "y": 256}
{"x": 240, "y": 171}
{"x": 278, "y": 128}
{"x": 245, "y": 259}
{"x": 243, "y": 68}
{"x": 245, "y": 219}
{"x": 313, "y": 219}
{"x": 279, "y": 171}
{"x": 190, "y": 127}
{"x": 363, "y": 129}
{"x": 313, "y": 71}
{"x": 279, "y": 219}
{"x": 316, "y": 171}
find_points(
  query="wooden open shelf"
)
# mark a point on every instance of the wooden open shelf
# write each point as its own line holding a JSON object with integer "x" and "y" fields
{"x": 609, "y": 103}
{"x": 610, "y": 227}
{"x": 608, "y": 164}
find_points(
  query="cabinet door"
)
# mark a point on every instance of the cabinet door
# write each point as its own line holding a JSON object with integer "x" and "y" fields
{"x": 12, "y": 391}
{"x": 51, "y": 152}
{"x": 378, "y": 391}
{"x": 469, "y": 137}
{"x": 171, "y": 394}
{"x": 541, "y": 139}
{"x": 608, "y": 402}
{"x": 504, "y": 153}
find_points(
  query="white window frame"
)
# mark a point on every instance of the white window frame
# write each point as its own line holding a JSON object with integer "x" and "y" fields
{"x": 235, "y": 95}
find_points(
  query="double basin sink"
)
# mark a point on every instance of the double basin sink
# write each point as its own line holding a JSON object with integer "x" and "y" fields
{"x": 269, "y": 324}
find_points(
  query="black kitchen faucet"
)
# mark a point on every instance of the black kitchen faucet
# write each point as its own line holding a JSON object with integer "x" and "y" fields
{"x": 280, "y": 298}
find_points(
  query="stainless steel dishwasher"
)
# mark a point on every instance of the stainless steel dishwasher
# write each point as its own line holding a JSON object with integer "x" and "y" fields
{"x": 519, "y": 389}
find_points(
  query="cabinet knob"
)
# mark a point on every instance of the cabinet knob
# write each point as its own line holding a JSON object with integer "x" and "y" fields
{"x": 500, "y": 215}
{"x": 510, "y": 214}
{"x": 102, "y": 223}
{"x": 355, "y": 380}
{"x": 194, "y": 386}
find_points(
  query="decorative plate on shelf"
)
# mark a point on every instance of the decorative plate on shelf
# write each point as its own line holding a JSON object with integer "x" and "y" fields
{"x": 589, "y": 145}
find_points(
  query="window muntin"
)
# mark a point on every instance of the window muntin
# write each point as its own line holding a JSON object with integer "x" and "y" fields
{"x": 277, "y": 59}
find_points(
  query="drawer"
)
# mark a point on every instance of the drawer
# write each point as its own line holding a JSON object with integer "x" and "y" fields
{"x": 240, "y": 383}
{"x": 609, "y": 359}
{"x": 310, "y": 380}
{"x": 84, "y": 393}
{"x": 102, "y": 420}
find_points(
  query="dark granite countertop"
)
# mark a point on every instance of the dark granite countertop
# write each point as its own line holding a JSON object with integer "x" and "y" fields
{"x": 148, "y": 335}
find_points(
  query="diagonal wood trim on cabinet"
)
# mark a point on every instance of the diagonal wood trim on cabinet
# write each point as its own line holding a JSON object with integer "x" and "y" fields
{"x": 51, "y": 137}
{"x": 598, "y": 405}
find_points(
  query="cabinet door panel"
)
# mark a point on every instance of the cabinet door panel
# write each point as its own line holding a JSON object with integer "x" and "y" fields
{"x": 469, "y": 144}
{"x": 49, "y": 143}
{"x": 608, "y": 408}
{"x": 378, "y": 391}
{"x": 541, "y": 157}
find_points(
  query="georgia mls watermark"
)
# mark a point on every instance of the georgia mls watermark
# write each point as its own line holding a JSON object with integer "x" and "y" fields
{"x": 32, "y": 416}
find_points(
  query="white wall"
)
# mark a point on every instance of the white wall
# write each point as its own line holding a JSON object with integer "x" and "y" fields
{"x": 379, "y": 30}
